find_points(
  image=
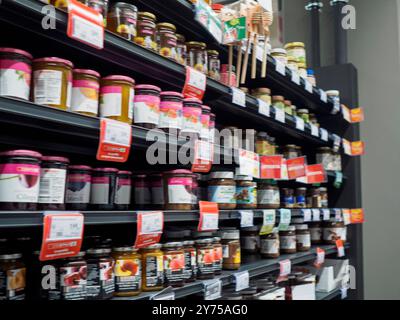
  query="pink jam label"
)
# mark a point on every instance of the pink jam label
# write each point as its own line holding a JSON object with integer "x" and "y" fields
{"x": 140, "y": 184}
{"x": 124, "y": 182}
{"x": 170, "y": 105}
{"x": 191, "y": 113}
{"x": 101, "y": 180}
{"x": 86, "y": 84}
{"x": 149, "y": 100}
{"x": 79, "y": 178}
{"x": 205, "y": 120}
{"x": 180, "y": 181}
{"x": 15, "y": 65}
{"x": 111, "y": 89}
{"x": 212, "y": 124}
{"x": 29, "y": 169}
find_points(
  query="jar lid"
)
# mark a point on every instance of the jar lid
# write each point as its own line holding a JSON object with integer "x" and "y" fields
{"x": 204, "y": 241}
{"x": 221, "y": 175}
{"x": 197, "y": 44}
{"x": 278, "y": 51}
{"x": 180, "y": 37}
{"x": 166, "y": 25}
{"x": 179, "y": 171}
{"x": 243, "y": 178}
{"x": 292, "y": 60}
{"x": 262, "y": 90}
{"x": 302, "y": 65}
{"x": 206, "y": 108}
{"x": 18, "y": 51}
{"x": 229, "y": 233}
{"x": 119, "y": 78}
{"x": 303, "y": 111}
{"x": 333, "y": 93}
{"x": 98, "y": 251}
{"x": 172, "y": 244}
{"x": 56, "y": 60}
{"x": 323, "y": 189}
{"x": 21, "y": 153}
{"x": 171, "y": 93}
{"x": 79, "y": 167}
{"x": 153, "y": 247}
{"x": 287, "y": 102}
{"x": 244, "y": 89}
{"x": 294, "y": 44}
{"x": 147, "y": 87}
{"x": 125, "y": 172}
{"x": 278, "y": 98}
{"x": 290, "y": 146}
{"x": 188, "y": 242}
{"x": 192, "y": 100}
{"x": 105, "y": 170}
{"x": 10, "y": 256}
{"x": 301, "y": 227}
{"x": 87, "y": 71}
{"x": 310, "y": 72}
{"x": 139, "y": 175}
{"x": 55, "y": 159}
{"x": 125, "y": 249}
{"x": 147, "y": 15}
{"x": 213, "y": 52}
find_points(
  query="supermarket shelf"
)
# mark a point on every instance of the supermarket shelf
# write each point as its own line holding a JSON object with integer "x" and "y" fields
{"x": 335, "y": 294}
{"x": 255, "y": 269}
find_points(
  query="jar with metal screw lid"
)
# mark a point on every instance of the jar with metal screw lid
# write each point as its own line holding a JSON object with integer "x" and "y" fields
{"x": 205, "y": 258}
{"x": 217, "y": 265}
{"x": 146, "y": 31}
{"x": 303, "y": 238}
{"x": 190, "y": 260}
{"x": 174, "y": 264}
{"x": 152, "y": 268}
{"x": 214, "y": 65}
{"x": 231, "y": 252}
{"x": 13, "y": 276}
{"x": 122, "y": 20}
{"x": 250, "y": 240}
{"x": 268, "y": 196}
{"x": 222, "y": 189}
{"x": 269, "y": 245}
{"x": 287, "y": 240}
{"x": 166, "y": 40}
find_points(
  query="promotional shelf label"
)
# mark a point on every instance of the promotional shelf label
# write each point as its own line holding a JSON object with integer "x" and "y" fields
{"x": 269, "y": 218}
{"x": 284, "y": 219}
{"x": 238, "y": 97}
{"x": 150, "y": 226}
{"x": 271, "y": 167}
{"x": 203, "y": 156}
{"x": 195, "y": 84}
{"x": 209, "y": 216}
{"x": 340, "y": 248}
{"x": 246, "y": 218}
{"x": 296, "y": 167}
{"x": 249, "y": 163}
{"x": 357, "y": 216}
{"x": 357, "y": 115}
{"x": 316, "y": 174}
{"x": 320, "y": 258}
{"x": 242, "y": 280}
{"x": 264, "y": 108}
{"x": 62, "y": 235}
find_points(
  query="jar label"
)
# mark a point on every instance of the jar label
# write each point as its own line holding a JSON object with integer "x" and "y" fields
{"x": 100, "y": 193}
{"x": 12, "y": 284}
{"x": 85, "y": 96}
{"x": 250, "y": 243}
{"x": 332, "y": 234}
{"x": 128, "y": 275}
{"x": 131, "y": 104}
{"x": 100, "y": 279}
{"x": 48, "y": 86}
{"x": 15, "y": 79}
{"x": 174, "y": 267}
{"x": 170, "y": 115}
{"x": 287, "y": 242}
{"x": 246, "y": 195}
{"x": 19, "y": 183}
{"x": 205, "y": 261}
{"x": 110, "y": 101}
{"x": 303, "y": 240}
{"x": 180, "y": 190}
{"x": 268, "y": 197}
{"x": 146, "y": 109}
{"x": 288, "y": 201}
{"x": 191, "y": 120}
{"x": 73, "y": 282}
{"x": 78, "y": 188}
{"x": 222, "y": 194}
{"x": 269, "y": 246}
{"x": 190, "y": 264}
{"x": 205, "y": 124}
{"x": 142, "y": 195}
{"x": 157, "y": 195}
{"x": 123, "y": 192}
{"x": 218, "y": 258}
{"x": 52, "y": 185}
{"x": 154, "y": 271}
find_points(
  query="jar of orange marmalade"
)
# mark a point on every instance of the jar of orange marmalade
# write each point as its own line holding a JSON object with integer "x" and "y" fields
{"x": 152, "y": 268}
{"x": 85, "y": 92}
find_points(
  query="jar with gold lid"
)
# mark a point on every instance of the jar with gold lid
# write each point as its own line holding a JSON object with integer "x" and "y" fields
{"x": 167, "y": 40}
{"x": 278, "y": 102}
{"x": 288, "y": 107}
{"x": 297, "y": 51}
{"x": 146, "y": 31}
{"x": 214, "y": 64}
{"x": 122, "y": 20}
{"x": 263, "y": 94}
{"x": 197, "y": 56}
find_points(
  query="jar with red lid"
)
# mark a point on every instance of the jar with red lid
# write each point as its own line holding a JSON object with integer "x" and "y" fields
{"x": 79, "y": 180}
{"x": 53, "y": 181}
{"x": 178, "y": 192}
{"x": 19, "y": 180}
{"x": 124, "y": 190}
{"x": 225, "y": 79}
{"x": 171, "y": 109}
{"x": 122, "y": 20}
{"x": 205, "y": 123}
{"x": 146, "y": 31}
{"x": 15, "y": 73}
{"x": 146, "y": 111}
{"x": 141, "y": 191}
{"x": 85, "y": 92}
{"x": 192, "y": 111}
{"x": 157, "y": 191}
{"x": 104, "y": 184}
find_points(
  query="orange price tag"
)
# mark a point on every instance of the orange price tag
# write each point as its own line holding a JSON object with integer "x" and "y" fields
{"x": 149, "y": 228}
{"x": 356, "y": 148}
{"x": 340, "y": 248}
{"x": 209, "y": 216}
{"x": 357, "y": 115}
{"x": 357, "y": 216}
{"x": 195, "y": 84}
{"x": 203, "y": 156}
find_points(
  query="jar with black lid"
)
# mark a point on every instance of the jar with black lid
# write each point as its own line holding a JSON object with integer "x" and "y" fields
{"x": 174, "y": 264}
{"x": 79, "y": 182}
{"x": 122, "y": 20}
{"x": 123, "y": 191}
{"x": 19, "y": 180}
{"x": 287, "y": 239}
{"x": 324, "y": 197}
{"x": 214, "y": 65}
{"x": 250, "y": 240}
{"x": 268, "y": 196}
{"x": 190, "y": 260}
{"x": 303, "y": 238}
{"x": 269, "y": 245}
{"x": 146, "y": 31}
{"x": 12, "y": 277}
{"x": 73, "y": 278}
{"x": 53, "y": 181}
{"x": 100, "y": 274}
{"x": 217, "y": 265}
{"x": 334, "y": 230}
{"x": 301, "y": 197}
{"x": 104, "y": 184}
{"x": 171, "y": 112}
{"x": 205, "y": 259}
{"x": 314, "y": 198}
{"x": 146, "y": 109}
{"x": 197, "y": 56}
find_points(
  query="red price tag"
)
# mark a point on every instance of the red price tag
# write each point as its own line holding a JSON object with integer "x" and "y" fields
{"x": 320, "y": 258}
{"x": 115, "y": 141}
{"x": 357, "y": 216}
{"x": 357, "y": 115}
{"x": 271, "y": 167}
{"x": 209, "y": 216}
{"x": 195, "y": 84}
{"x": 149, "y": 228}
{"x": 203, "y": 156}
{"x": 62, "y": 235}
{"x": 85, "y": 24}
{"x": 296, "y": 167}
{"x": 316, "y": 174}
{"x": 340, "y": 248}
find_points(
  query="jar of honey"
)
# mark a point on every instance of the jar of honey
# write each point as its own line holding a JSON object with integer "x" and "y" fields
{"x": 146, "y": 31}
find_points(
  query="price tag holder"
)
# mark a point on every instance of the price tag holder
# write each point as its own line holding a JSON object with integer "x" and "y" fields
{"x": 115, "y": 141}
{"x": 346, "y": 216}
{"x": 85, "y": 24}
{"x": 212, "y": 289}
{"x": 203, "y": 156}
{"x": 306, "y": 215}
{"x": 320, "y": 258}
{"x": 338, "y": 215}
{"x": 323, "y": 96}
{"x": 324, "y": 134}
{"x": 337, "y": 142}
{"x": 340, "y": 247}
{"x": 246, "y": 219}
{"x": 269, "y": 218}
{"x": 296, "y": 78}
{"x": 264, "y": 108}
{"x": 209, "y": 216}
{"x": 314, "y": 130}
{"x": 280, "y": 115}
{"x": 285, "y": 268}
{"x": 150, "y": 226}
{"x": 238, "y": 97}
{"x": 62, "y": 235}
{"x": 299, "y": 123}
{"x": 280, "y": 67}
{"x": 166, "y": 294}
{"x": 308, "y": 86}
{"x": 271, "y": 167}
{"x": 326, "y": 214}
{"x": 296, "y": 167}
{"x": 242, "y": 280}
{"x": 285, "y": 218}
{"x": 316, "y": 214}
{"x": 195, "y": 84}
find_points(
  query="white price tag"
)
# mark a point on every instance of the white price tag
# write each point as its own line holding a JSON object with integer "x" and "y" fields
{"x": 242, "y": 280}
{"x": 326, "y": 214}
{"x": 285, "y": 218}
{"x": 314, "y": 130}
{"x": 346, "y": 217}
{"x": 246, "y": 219}
{"x": 238, "y": 97}
{"x": 87, "y": 31}
{"x": 280, "y": 115}
{"x": 280, "y": 67}
{"x": 212, "y": 289}
{"x": 299, "y": 123}
{"x": 295, "y": 77}
{"x": 196, "y": 79}
{"x": 264, "y": 108}
{"x": 324, "y": 134}
{"x": 343, "y": 293}
{"x": 65, "y": 227}
{"x": 337, "y": 142}
{"x": 210, "y": 221}
{"x": 306, "y": 215}
{"x": 336, "y": 106}
{"x": 215, "y": 30}
{"x": 316, "y": 215}
{"x": 118, "y": 133}
{"x": 323, "y": 95}
{"x": 152, "y": 222}
{"x": 308, "y": 86}
{"x": 338, "y": 215}
{"x": 285, "y": 267}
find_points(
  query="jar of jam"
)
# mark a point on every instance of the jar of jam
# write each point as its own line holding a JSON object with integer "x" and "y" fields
{"x": 197, "y": 56}
{"x": 324, "y": 197}
{"x": 100, "y": 274}
{"x": 246, "y": 192}
{"x": 205, "y": 258}
{"x": 174, "y": 264}
{"x": 303, "y": 238}
{"x": 314, "y": 198}
{"x": 214, "y": 65}
{"x": 324, "y": 156}
{"x": 290, "y": 151}
{"x": 181, "y": 50}
{"x": 205, "y": 123}
{"x": 141, "y": 191}
{"x": 263, "y": 94}
{"x": 124, "y": 190}
{"x": 116, "y": 98}
{"x": 171, "y": 112}
{"x": 52, "y": 82}
{"x": 192, "y": 109}
{"x": 316, "y": 232}
{"x": 263, "y": 147}
{"x": 122, "y": 20}
{"x": 79, "y": 181}
{"x": 292, "y": 64}
{"x": 85, "y": 92}
{"x": 250, "y": 240}
{"x": 301, "y": 197}
{"x": 100, "y": 6}
{"x": 128, "y": 271}
{"x": 53, "y": 180}
{"x": 278, "y": 102}
{"x": 334, "y": 230}
{"x": 146, "y": 31}
{"x": 287, "y": 198}
{"x": 218, "y": 259}
{"x": 19, "y": 180}
{"x": 302, "y": 70}
{"x": 231, "y": 252}
{"x": 212, "y": 133}
{"x": 152, "y": 268}
{"x": 104, "y": 182}
{"x": 297, "y": 51}
{"x": 13, "y": 276}
{"x": 190, "y": 260}
{"x": 157, "y": 191}
{"x": 268, "y": 196}
{"x": 227, "y": 80}
{"x": 288, "y": 107}
{"x": 287, "y": 239}
{"x": 16, "y": 69}
{"x": 147, "y": 106}
{"x": 178, "y": 192}
{"x": 222, "y": 189}
{"x": 167, "y": 40}
{"x": 73, "y": 278}
{"x": 269, "y": 245}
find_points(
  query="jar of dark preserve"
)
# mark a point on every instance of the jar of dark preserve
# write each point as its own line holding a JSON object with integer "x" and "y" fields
{"x": 174, "y": 264}
{"x": 141, "y": 192}
{"x": 218, "y": 259}
{"x": 157, "y": 191}
{"x": 124, "y": 190}
{"x": 205, "y": 259}
{"x": 19, "y": 180}
{"x": 287, "y": 198}
{"x": 146, "y": 109}
{"x": 53, "y": 181}
{"x": 171, "y": 109}
{"x": 190, "y": 261}
{"x": 301, "y": 197}
{"x": 287, "y": 239}
{"x": 122, "y": 20}
{"x": 73, "y": 278}
{"x": 104, "y": 184}
{"x": 250, "y": 240}
{"x": 79, "y": 182}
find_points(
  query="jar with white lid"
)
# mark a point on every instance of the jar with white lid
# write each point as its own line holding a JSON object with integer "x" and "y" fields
{"x": 280, "y": 55}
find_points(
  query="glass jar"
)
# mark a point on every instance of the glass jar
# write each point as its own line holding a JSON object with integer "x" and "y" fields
{"x": 250, "y": 240}
{"x": 100, "y": 6}
{"x": 214, "y": 65}
{"x": 141, "y": 191}
{"x": 311, "y": 77}
{"x": 157, "y": 191}
{"x": 205, "y": 259}
{"x": 13, "y": 276}
{"x": 190, "y": 260}
{"x": 16, "y": 70}
{"x": 288, "y": 107}
{"x": 303, "y": 238}
{"x": 263, "y": 94}
{"x": 146, "y": 31}
{"x": 171, "y": 112}
{"x": 268, "y": 196}
{"x": 304, "y": 114}
{"x": 290, "y": 151}
{"x": 287, "y": 198}
{"x": 316, "y": 232}
{"x": 122, "y": 20}
{"x": 218, "y": 259}
{"x": 280, "y": 55}
{"x": 222, "y": 189}
{"x": 104, "y": 182}
{"x": 292, "y": 64}
{"x": 174, "y": 264}
{"x": 324, "y": 197}
{"x": 116, "y": 98}
{"x": 197, "y": 56}
{"x": 79, "y": 182}
{"x": 263, "y": 147}
{"x": 287, "y": 239}
{"x": 325, "y": 157}
{"x": 230, "y": 81}
{"x": 314, "y": 198}
{"x": 85, "y": 92}
{"x": 146, "y": 108}
{"x": 178, "y": 193}
{"x": 100, "y": 274}
{"x": 230, "y": 240}
{"x": 73, "y": 278}
{"x": 313, "y": 119}
{"x": 181, "y": 50}
{"x": 128, "y": 271}
{"x": 334, "y": 95}
{"x": 296, "y": 50}
{"x": 334, "y": 230}
{"x": 124, "y": 190}
{"x": 302, "y": 70}
{"x": 246, "y": 192}
{"x": 294, "y": 110}
{"x": 166, "y": 40}
{"x": 205, "y": 123}
{"x": 152, "y": 268}
{"x": 52, "y": 82}
{"x": 19, "y": 180}
{"x": 301, "y": 194}
{"x": 278, "y": 102}
{"x": 337, "y": 161}
{"x": 191, "y": 117}
{"x": 269, "y": 245}
{"x": 53, "y": 181}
